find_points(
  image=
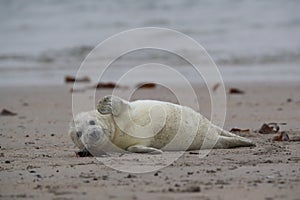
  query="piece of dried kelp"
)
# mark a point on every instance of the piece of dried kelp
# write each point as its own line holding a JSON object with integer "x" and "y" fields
{"x": 72, "y": 79}
{"x": 106, "y": 85}
{"x": 235, "y": 91}
{"x": 283, "y": 136}
{"x": 269, "y": 128}
{"x": 146, "y": 85}
{"x": 6, "y": 112}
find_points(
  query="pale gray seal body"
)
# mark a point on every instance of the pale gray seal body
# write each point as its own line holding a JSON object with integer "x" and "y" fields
{"x": 148, "y": 126}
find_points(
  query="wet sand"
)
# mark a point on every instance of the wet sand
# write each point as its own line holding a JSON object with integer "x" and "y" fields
{"x": 38, "y": 160}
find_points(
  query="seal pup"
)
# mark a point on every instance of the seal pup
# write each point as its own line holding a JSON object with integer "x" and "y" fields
{"x": 148, "y": 126}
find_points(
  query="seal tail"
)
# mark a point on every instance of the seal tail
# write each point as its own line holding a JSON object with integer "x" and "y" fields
{"x": 230, "y": 140}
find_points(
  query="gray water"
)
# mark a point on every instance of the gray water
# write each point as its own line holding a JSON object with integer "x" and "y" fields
{"x": 43, "y": 40}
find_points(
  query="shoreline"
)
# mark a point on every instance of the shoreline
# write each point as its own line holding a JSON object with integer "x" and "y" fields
{"x": 47, "y": 76}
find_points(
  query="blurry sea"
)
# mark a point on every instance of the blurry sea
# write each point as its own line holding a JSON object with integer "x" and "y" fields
{"x": 250, "y": 40}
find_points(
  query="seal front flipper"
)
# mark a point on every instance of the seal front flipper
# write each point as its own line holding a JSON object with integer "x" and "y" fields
{"x": 143, "y": 149}
{"x": 111, "y": 105}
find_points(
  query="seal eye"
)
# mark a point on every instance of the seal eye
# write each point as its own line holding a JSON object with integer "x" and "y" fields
{"x": 92, "y": 122}
{"x": 78, "y": 133}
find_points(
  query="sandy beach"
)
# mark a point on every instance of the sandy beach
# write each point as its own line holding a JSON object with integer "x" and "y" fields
{"x": 254, "y": 46}
{"x": 38, "y": 158}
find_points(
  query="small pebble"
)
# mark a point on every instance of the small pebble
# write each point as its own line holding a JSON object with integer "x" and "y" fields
{"x": 194, "y": 189}
{"x": 38, "y": 187}
{"x": 130, "y": 176}
{"x": 39, "y": 176}
{"x": 210, "y": 171}
{"x": 268, "y": 161}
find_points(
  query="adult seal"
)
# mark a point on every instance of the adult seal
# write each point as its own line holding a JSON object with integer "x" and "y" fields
{"x": 148, "y": 126}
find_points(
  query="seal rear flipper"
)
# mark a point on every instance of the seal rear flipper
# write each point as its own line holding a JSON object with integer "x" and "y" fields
{"x": 232, "y": 142}
{"x": 143, "y": 149}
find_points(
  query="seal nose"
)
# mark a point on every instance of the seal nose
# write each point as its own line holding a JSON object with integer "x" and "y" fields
{"x": 95, "y": 134}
